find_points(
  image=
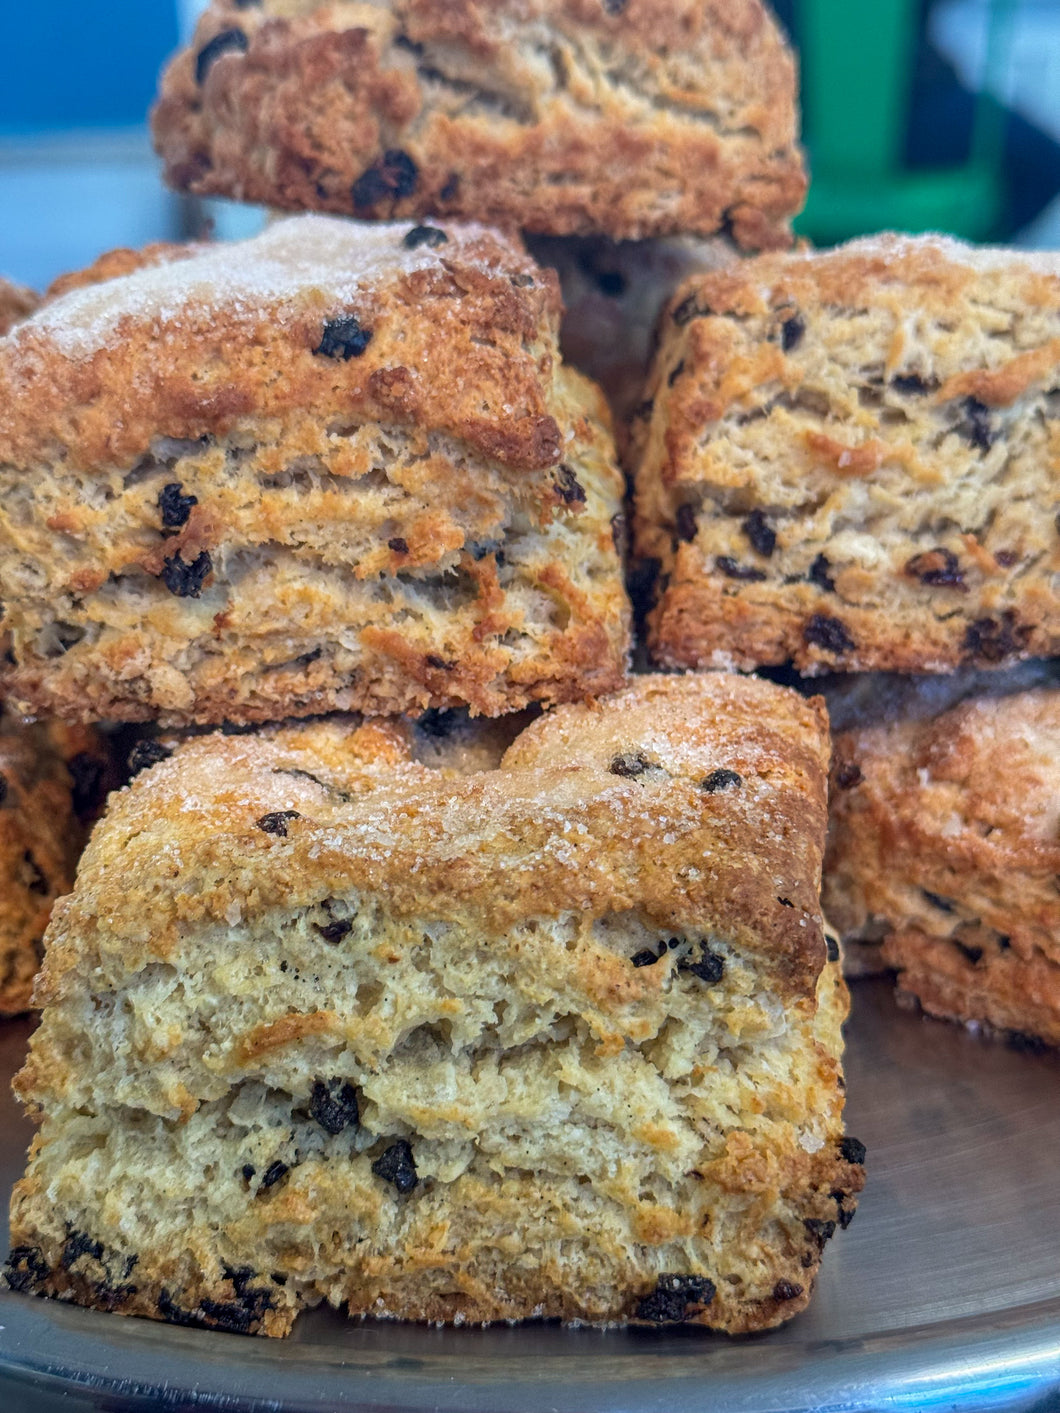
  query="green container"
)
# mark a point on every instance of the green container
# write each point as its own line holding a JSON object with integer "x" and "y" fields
{"x": 857, "y": 68}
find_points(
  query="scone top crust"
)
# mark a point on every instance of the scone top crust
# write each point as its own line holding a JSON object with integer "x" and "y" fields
{"x": 698, "y": 801}
{"x": 849, "y": 459}
{"x": 495, "y": 111}
{"x": 456, "y": 335}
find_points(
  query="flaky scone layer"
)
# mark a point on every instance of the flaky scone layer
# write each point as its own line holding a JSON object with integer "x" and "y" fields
{"x": 336, "y": 467}
{"x": 631, "y": 119}
{"x": 560, "y": 1038}
{"x": 851, "y": 460}
{"x": 52, "y": 782}
{"x": 944, "y": 850}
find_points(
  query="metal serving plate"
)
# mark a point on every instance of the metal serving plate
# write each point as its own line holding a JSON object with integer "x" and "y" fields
{"x": 944, "y": 1292}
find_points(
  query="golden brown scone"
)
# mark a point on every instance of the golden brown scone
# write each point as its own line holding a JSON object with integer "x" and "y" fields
{"x": 613, "y": 294}
{"x": 555, "y": 1039}
{"x": 16, "y": 303}
{"x": 337, "y": 467}
{"x": 944, "y": 846}
{"x": 53, "y": 779}
{"x": 851, "y": 461}
{"x": 628, "y": 118}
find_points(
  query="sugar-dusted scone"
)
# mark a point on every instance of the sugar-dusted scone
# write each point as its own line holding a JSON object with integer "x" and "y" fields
{"x": 628, "y": 118}
{"x": 852, "y": 461}
{"x": 52, "y": 782}
{"x": 555, "y": 1039}
{"x": 337, "y": 467}
{"x": 944, "y": 850}
{"x": 613, "y": 294}
{"x": 16, "y": 302}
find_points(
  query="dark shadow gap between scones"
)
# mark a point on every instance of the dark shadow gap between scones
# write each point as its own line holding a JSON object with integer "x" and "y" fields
{"x": 53, "y": 781}
{"x": 554, "y": 1039}
{"x": 614, "y": 293}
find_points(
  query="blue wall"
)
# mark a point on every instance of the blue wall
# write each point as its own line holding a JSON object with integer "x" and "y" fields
{"x": 70, "y": 64}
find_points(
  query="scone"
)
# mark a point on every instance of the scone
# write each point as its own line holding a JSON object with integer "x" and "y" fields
{"x": 52, "y": 782}
{"x": 613, "y": 294}
{"x": 627, "y": 118}
{"x": 556, "y": 1039}
{"x": 336, "y": 467}
{"x": 851, "y": 461}
{"x": 16, "y": 302}
{"x": 944, "y": 850}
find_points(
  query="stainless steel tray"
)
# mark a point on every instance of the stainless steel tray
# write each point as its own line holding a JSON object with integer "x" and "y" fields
{"x": 944, "y": 1292}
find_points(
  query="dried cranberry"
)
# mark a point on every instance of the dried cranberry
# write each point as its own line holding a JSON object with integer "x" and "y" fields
{"x": 393, "y": 177}
{"x": 229, "y": 41}
{"x": 792, "y": 332}
{"x": 333, "y": 1103}
{"x": 852, "y": 1150}
{"x": 761, "y": 534}
{"x": 672, "y": 1297}
{"x": 828, "y": 633}
{"x": 396, "y": 1165}
{"x": 425, "y": 235}
{"x": 276, "y": 823}
{"x": 721, "y": 780}
{"x": 175, "y": 506}
{"x": 186, "y": 580}
{"x": 733, "y": 569}
{"x": 343, "y": 338}
{"x": 630, "y": 764}
{"x": 569, "y": 487}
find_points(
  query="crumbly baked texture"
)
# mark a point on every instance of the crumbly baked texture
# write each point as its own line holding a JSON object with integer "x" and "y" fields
{"x": 52, "y": 782}
{"x": 851, "y": 461}
{"x": 337, "y": 467}
{"x": 944, "y": 851}
{"x": 613, "y": 295}
{"x": 556, "y": 1039}
{"x": 629, "y": 118}
{"x": 16, "y": 302}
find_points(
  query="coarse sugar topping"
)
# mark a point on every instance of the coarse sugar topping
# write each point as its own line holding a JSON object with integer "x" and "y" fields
{"x": 325, "y": 258}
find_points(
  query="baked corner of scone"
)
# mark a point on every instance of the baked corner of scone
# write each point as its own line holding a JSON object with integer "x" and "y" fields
{"x": 553, "y": 1031}
{"x": 944, "y": 854}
